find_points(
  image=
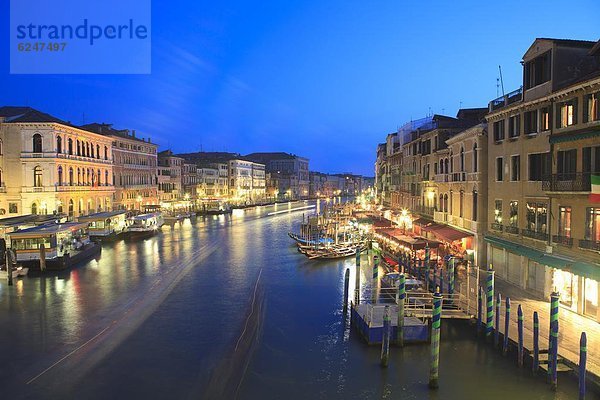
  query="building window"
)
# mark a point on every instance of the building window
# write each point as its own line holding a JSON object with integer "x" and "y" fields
{"x": 13, "y": 208}
{"x": 462, "y": 159}
{"x": 475, "y": 158}
{"x": 515, "y": 168}
{"x": 98, "y": 151}
{"x": 545, "y": 119}
{"x": 564, "y": 221}
{"x": 70, "y": 144}
{"x": 34, "y": 209}
{"x": 592, "y": 224}
{"x": 461, "y": 200}
{"x": 58, "y": 144}
{"x": 60, "y": 176}
{"x": 539, "y": 166}
{"x": 591, "y": 160}
{"x": 475, "y": 206}
{"x": 37, "y": 143}
{"x": 499, "y": 169}
{"x": 538, "y": 70}
{"x": 1, "y": 147}
{"x": 78, "y": 148}
{"x": 446, "y": 203}
{"x": 567, "y": 113}
{"x": 591, "y": 111}
{"x": 499, "y": 130}
{"x": 37, "y": 176}
{"x": 530, "y": 121}
{"x": 514, "y": 126}
{"x": 71, "y": 208}
{"x": 70, "y": 176}
{"x": 537, "y": 214}
{"x": 566, "y": 164}
{"x": 498, "y": 212}
{"x": 513, "y": 218}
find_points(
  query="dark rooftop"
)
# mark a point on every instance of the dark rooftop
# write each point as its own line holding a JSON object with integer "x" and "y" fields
{"x": 28, "y": 114}
{"x": 108, "y": 130}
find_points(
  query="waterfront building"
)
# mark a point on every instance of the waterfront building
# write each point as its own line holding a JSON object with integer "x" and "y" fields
{"x": 170, "y": 183}
{"x": 381, "y": 168}
{"x": 288, "y": 173}
{"x": 317, "y": 184}
{"x": 134, "y": 167}
{"x": 543, "y": 147}
{"x": 212, "y": 182}
{"x": 189, "y": 181}
{"x": 48, "y": 166}
{"x": 247, "y": 181}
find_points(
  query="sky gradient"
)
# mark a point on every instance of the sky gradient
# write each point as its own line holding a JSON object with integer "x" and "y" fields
{"x": 325, "y": 80}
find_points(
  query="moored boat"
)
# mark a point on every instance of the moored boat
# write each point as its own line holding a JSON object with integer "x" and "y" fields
{"x": 106, "y": 225}
{"x": 145, "y": 224}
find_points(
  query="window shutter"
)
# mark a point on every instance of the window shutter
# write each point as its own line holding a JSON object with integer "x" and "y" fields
{"x": 575, "y": 111}
{"x": 586, "y": 103}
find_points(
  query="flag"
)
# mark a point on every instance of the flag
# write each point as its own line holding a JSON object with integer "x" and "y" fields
{"x": 595, "y": 194}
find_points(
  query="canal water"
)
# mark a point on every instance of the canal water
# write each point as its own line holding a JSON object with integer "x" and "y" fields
{"x": 161, "y": 318}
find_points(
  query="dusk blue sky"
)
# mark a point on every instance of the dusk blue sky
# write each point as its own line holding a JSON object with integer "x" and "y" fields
{"x": 323, "y": 79}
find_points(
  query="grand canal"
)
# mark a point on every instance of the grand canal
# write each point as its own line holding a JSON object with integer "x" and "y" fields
{"x": 154, "y": 318}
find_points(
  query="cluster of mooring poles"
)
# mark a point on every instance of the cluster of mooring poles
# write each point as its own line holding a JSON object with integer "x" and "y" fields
{"x": 400, "y": 300}
{"x": 488, "y": 323}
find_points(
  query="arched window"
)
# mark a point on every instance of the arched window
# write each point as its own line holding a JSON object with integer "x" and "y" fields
{"x": 78, "y": 176}
{"x": 70, "y": 176}
{"x": 99, "y": 178}
{"x": 475, "y": 158}
{"x": 1, "y": 147}
{"x": 446, "y": 169}
{"x": 441, "y": 202}
{"x": 78, "y": 148}
{"x": 87, "y": 149}
{"x": 58, "y": 144}
{"x": 98, "y": 151}
{"x": 60, "y": 176}
{"x": 450, "y": 201}
{"x": 106, "y": 178}
{"x": 87, "y": 179}
{"x": 462, "y": 159}
{"x": 37, "y": 143}
{"x": 71, "y": 207}
{"x": 59, "y": 208}
{"x": 70, "y": 144}
{"x": 451, "y": 166}
{"x": 34, "y": 209}
{"x": 92, "y": 151}
{"x": 105, "y": 152}
{"x": 475, "y": 198}
{"x": 37, "y": 176}
{"x": 461, "y": 203}
{"x": 1, "y": 182}
{"x": 446, "y": 202}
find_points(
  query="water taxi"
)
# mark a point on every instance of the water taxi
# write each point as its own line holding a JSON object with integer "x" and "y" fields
{"x": 106, "y": 225}
{"x": 145, "y": 224}
{"x": 63, "y": 245}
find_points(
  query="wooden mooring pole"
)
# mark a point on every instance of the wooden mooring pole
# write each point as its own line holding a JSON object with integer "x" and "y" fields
{"x": 346, "y": 286}
{"x": 480, "y": 296}
{"x": 553, "y": 356}
{"x": 436, "y": 322}
{"x": 535, "y": 365}
{"x": 357, "y": 278}
{"x": 401, "y": 297}
{"x": 497, "y": 323}
{"x": 506, "y": 327}
{"x": 520, "y": 335}
{"x": 582, "y": 364}
{"x": 490, "y": 303}
{"x": 385, "y": 340}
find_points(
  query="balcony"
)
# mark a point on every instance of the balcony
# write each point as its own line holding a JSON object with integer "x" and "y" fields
{"x": 497, "y": 227}
{"x": 441, "y": 178}
{"x": 512, "y": 229}
{"x": 424, "y": 210}
{"x": 589, "y": 245}
{"x": 439, "y": 216}
{"x": 563, "y": 240}
{"x": 534, "y": 235}
{"x": 567, "y": 182}
{"x": 503, "y": 101}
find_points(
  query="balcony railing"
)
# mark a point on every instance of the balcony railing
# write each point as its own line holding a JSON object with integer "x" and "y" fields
{"x": 425, "y": 210}
{"x": 534, "y": 235}
{"x": 496, "y": 226}
{"x": 589, "y": 244}
{"x": 512, "y": 97}
{"x": 512, "y": 229}
{"x": 567, "y": 182}
{"x": 564, "y": 240}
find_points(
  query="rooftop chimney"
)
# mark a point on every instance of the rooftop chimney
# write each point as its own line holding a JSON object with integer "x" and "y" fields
{"x": 133, "y": 132}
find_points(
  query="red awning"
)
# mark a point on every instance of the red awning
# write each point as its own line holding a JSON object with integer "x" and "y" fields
{"x": 390, "y": 262}
{"x": 447, "y": 233}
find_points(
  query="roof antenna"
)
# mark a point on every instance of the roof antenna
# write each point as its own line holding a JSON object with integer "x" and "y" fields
{"x": 501, "y": 80}
{"x": 460, "y": 105}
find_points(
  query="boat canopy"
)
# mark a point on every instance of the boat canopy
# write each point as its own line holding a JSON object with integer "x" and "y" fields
{"x": 101, "y": 216}
{"x": 48, "y": 229}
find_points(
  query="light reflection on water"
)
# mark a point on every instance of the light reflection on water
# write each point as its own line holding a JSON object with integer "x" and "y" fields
{"x": 179, "y": 300}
